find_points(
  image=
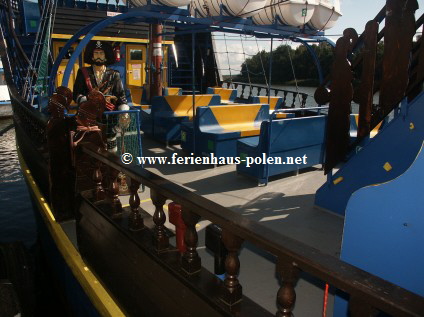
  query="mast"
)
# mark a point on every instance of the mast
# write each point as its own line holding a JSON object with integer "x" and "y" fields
{"x": 155, "y": 74}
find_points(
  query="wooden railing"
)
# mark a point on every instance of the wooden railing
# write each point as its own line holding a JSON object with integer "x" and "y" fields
{"x": 292, "y": 99}
{"x": 368, "y": 293}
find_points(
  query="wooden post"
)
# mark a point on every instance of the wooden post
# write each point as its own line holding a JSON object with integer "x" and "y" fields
{"x": 156, "y": 58}
{"x": 365, "y": 92}
{"x": 135, "y": 220}
{"x": 160, "y": 239}
{"x": 286, "y": 296}
{"x": 190, "y": 262}
{"x": 232, "y": 291}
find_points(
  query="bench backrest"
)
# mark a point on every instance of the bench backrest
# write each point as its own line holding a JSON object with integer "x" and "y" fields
{"x": 226, "y": 94}
{"x": 182, "y": 105}
{"x": 232, "y": 118}
{"x": 294, "y": 133}
{"x": 274, "y": 102}
{"x": 172, "y": 91}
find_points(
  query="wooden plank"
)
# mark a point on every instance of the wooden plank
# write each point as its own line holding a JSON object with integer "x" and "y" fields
{"x": 341, "y": 94}
{"x": 365, "y": 91}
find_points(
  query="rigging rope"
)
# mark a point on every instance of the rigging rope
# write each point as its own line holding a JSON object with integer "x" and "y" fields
{"x": 262, "y": 63}
{"x": 247, "y": 68}
{"x": 41, "y": 50}
{"x": 294, "y": 75}
{"x": 228, "y": 59}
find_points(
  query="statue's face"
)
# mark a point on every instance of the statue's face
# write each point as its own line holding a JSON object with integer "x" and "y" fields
{"x": 99, "y": 57}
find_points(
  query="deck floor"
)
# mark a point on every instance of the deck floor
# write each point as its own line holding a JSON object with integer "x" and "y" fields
{"x": 285, "y": 205}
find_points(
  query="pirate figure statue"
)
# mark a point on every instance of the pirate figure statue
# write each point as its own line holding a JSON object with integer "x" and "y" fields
{"x": 106, "y": 80}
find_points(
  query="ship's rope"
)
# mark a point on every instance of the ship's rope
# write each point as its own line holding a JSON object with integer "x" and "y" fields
{"x": 294, "y": 74}
{"x": 228, "y": 60}
{"x": 247, "y": 68}
{"x": 262, "y": 63}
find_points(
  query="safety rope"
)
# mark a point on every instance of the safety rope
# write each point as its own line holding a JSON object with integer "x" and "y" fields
{"x": 228, "y": 60}
{"x": 262, "y": 63}
{"x": 294, "y": 75}
{"x": 247, "y": 68}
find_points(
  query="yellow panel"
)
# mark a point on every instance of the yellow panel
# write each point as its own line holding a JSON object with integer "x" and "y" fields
{"x": 165, "y": 66}
{"x": 223, "y": 92}
{"x": 237, "y": 118}
{"x": 136, "y": 75}
{"x": 136, "y": 93}
{"x": 108, "y": 38}
{"x": 173, "y": 91}
{"x": 272, "y": 101}
{"x": 183, "y": 105}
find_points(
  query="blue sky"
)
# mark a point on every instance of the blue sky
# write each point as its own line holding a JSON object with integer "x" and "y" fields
{"x": 356, "y": 13}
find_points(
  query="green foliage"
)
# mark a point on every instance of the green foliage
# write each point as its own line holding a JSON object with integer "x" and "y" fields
{"x": 303, "y": 64}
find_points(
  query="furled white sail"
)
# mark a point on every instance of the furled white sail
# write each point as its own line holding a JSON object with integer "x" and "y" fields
{"x": 239, "y": 8}
{"x": 170, "y": 3}
{"x": 293, "y": 12}
{"x": 326, "y": 14}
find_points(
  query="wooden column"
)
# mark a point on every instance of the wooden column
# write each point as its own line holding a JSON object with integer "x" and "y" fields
{"x": 399, "y": 31}
{"x": 98, "y": 192}
{"x": 156, "y": 60}
{"x": 114, "y": 193}
{"x": 135, "y": 221}
{"x": 160, "y": 239}
{"x": 190, "y": 262}
{"x": 341, "y": 94}
{"x": 286, "y": 296}
{"x": 232, "y": 291}
{"x": 365, "y": 92}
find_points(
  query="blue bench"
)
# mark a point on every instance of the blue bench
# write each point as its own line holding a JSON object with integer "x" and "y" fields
{"x": 281, "y": 138}
{"x": 163, "y": 119}
{"x": 217, "y": 128}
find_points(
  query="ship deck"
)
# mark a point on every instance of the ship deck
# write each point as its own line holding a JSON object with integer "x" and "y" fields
{"x": 285, "y": 205}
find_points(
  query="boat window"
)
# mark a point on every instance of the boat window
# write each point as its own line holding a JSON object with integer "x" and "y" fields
{"x": 136, "y": 54}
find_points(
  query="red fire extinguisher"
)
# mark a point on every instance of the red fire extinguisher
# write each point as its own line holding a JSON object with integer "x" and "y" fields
{"x": 117, "y": 53}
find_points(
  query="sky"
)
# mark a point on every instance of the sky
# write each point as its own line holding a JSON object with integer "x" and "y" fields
{"x": 356, "y": 13}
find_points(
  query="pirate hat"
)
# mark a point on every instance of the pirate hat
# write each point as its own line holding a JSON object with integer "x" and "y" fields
{"x": 106, "y": 47}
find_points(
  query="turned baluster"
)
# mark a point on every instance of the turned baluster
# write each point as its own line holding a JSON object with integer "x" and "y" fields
{"x": 360, "y": 308}
{"x": 99, "y": 192}
{"x": 232, "y": 289}
{"x": 259, "y": 91}
{"x": 160, "y": 239}
{"x": 250, "y": 91}
{"x": 285, "y": 96}
{"x": 190, "y": 262}
{"x": 304, "y": 97}
{"x": 242, "y": 91}
{"x": 286, "y": 296}
{"x": 276, "y": 91}
{"x": 294, "y": 100}
{"x": 114, "y": 193}
{"x": 135, "y": 221}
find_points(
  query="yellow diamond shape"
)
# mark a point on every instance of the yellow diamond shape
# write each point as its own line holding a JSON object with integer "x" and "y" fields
{"x": 387, "y": 167}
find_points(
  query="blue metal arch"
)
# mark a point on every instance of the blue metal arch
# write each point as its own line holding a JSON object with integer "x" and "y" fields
{"x": 141, "y": 14}
{"x": 62, "y": 53}
{"x": 314, "y": 55}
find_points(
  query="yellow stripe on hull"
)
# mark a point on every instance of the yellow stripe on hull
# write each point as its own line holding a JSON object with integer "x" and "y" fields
{"x": 96, "y": 292}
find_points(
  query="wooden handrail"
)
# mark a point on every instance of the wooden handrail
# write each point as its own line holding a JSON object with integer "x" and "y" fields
{"x": 366, "y": 287}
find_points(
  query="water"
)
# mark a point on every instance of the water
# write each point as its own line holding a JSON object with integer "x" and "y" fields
{"x": 17, "y": 220}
